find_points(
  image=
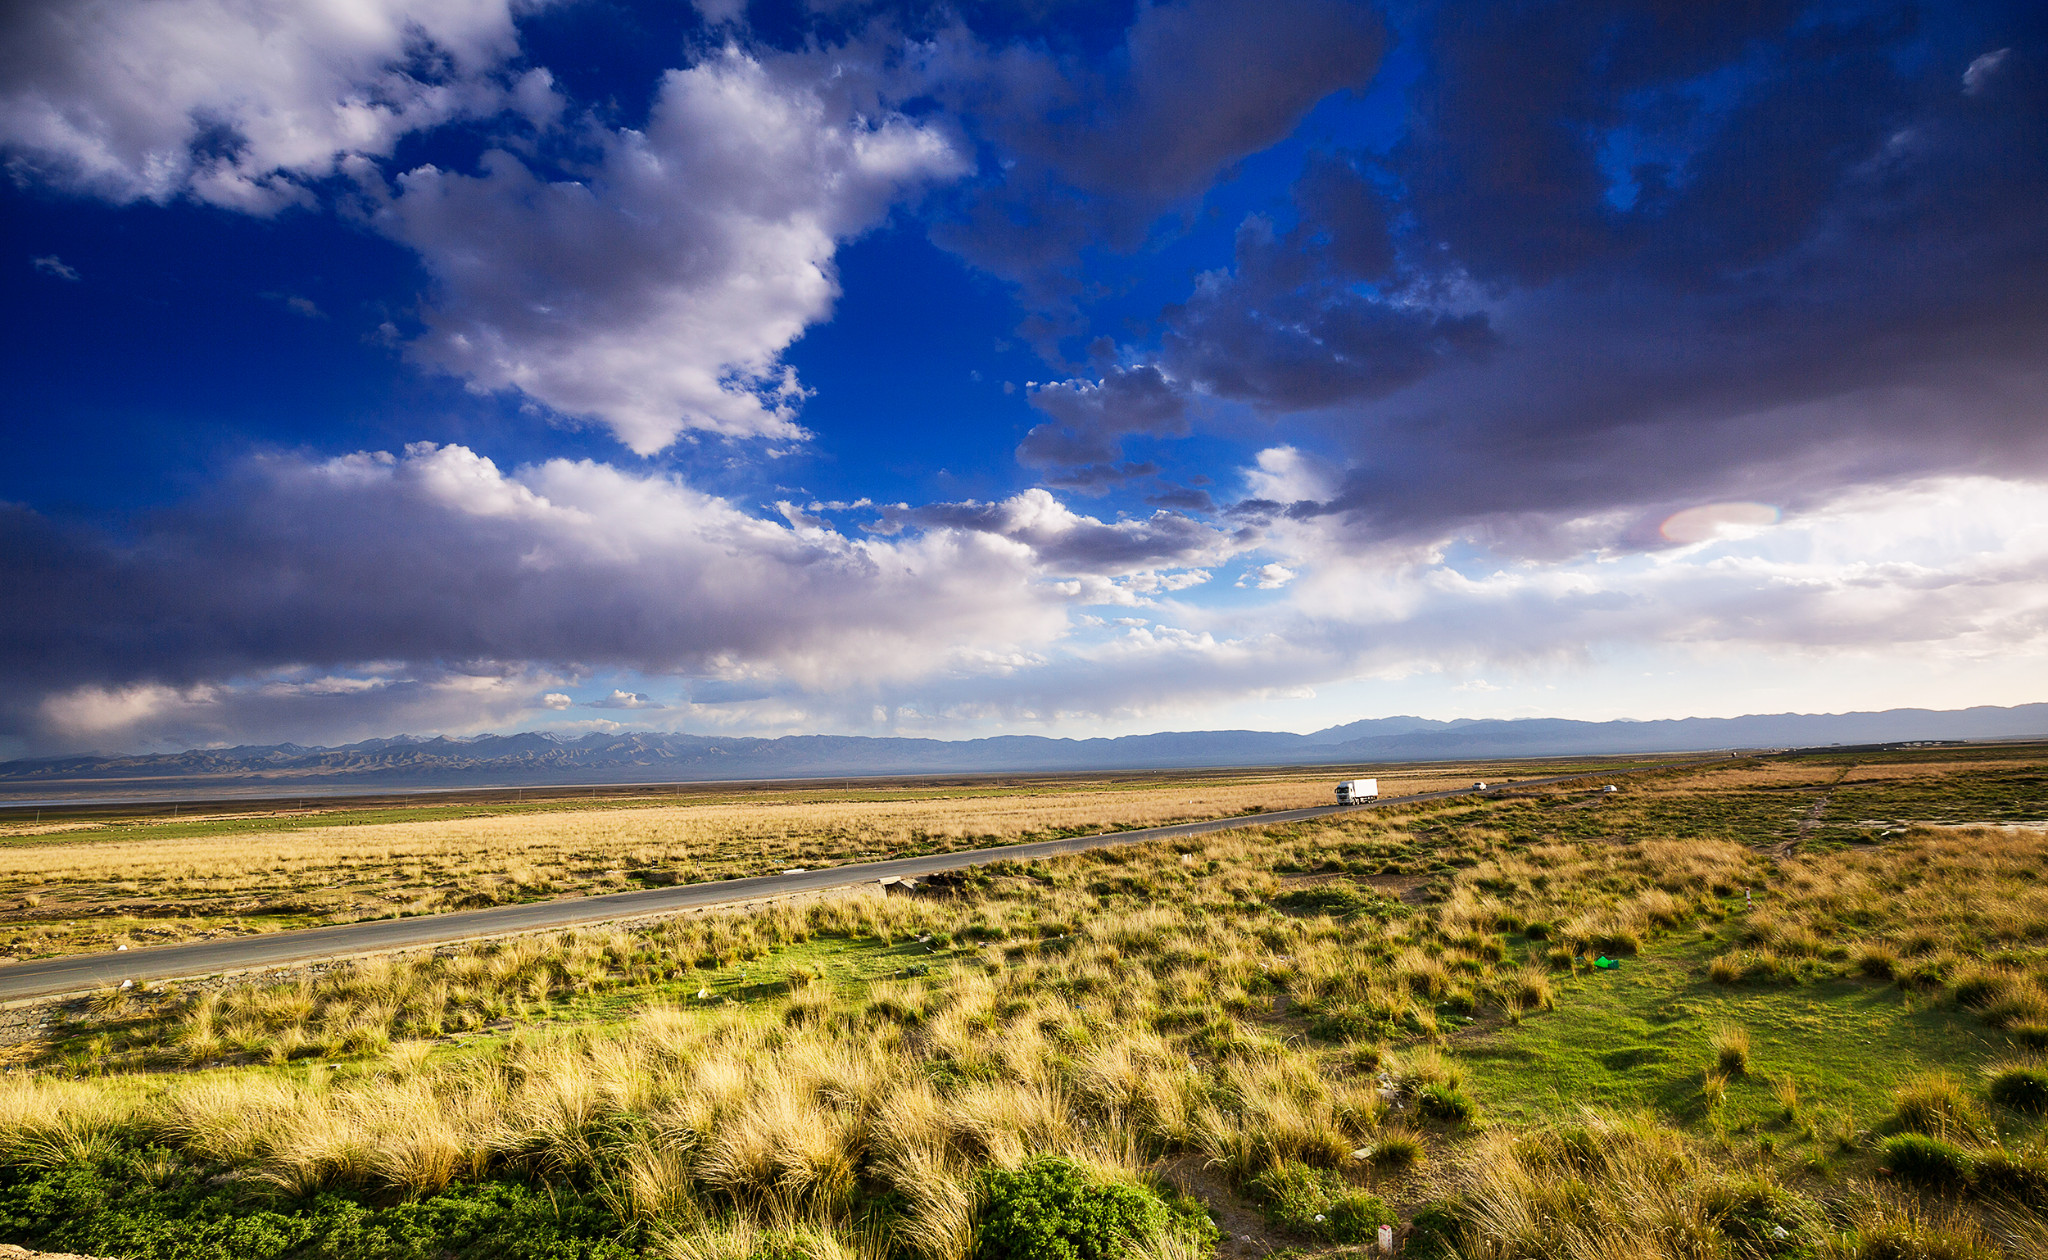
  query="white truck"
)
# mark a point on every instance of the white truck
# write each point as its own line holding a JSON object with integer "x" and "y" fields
{"x": 1356, "y": 791}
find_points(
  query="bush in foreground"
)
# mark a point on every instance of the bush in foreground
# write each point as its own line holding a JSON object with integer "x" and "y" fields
{"x": 1053, "y": 1210}
{"x": 105, "y": 1209}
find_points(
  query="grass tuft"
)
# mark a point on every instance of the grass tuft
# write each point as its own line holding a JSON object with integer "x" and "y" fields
{"x": 2022, "y": 1086}
{"x": 1730, "y": 1044}
{"x": 1936, "y": 1105}
{"x": 1926, "y": 1161}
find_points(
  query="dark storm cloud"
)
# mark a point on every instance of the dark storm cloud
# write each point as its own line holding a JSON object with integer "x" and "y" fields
{"x": 1316, "y": 314}
{"x": 436, "y": 557}
{"x": 1291, "y": 328}
{"x": 432, "y": 584}
{"x": 1091, "y": 153}
{"x": 1313, "y": 350}
{"x": 1096, "y": 480}
{"x": 1633, "y": 257}
{"x": 1186, "y": 498}
{"x": 1082, "y": 442}
{"x": 1505, "y": 157}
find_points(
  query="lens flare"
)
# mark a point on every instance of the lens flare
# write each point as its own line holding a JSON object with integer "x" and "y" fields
{"x": 1717, "y": 520}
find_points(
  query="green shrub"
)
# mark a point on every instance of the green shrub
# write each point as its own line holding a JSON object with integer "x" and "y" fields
{"x": 2021, "y": 1086}
{"x": 1445, "y": 1103}
{"x": 1292, "y": 1194}
{"x": 1053, "y": 1210}
{"x": 1318, "y": 1204}
{"x": 1189, "y": 1218}
{"x": 1928, "y": 1161}
{"x": 1433, "y": 1234}
{"x": 1761, "y": 1217}
{"x": 1349, "y": 1021}
{"x": 186, "y": 1216}
{"x": 1337, "y": 899}
{"x": 1356, "y": 1217}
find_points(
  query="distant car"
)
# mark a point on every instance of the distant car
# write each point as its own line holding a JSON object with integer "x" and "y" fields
{"x": 1610, "y": 788}
{"x": 1480, "y": 786}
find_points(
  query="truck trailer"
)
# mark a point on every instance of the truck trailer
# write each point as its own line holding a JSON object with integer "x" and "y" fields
{"x": 1355, "y": 791}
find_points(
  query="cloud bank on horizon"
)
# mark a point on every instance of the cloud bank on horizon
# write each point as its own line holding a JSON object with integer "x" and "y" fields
{"x": 953, "y": 370}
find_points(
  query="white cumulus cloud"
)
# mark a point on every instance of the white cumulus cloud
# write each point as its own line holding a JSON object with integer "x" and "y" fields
{"x": 1268, "y": 577}
{"x": 652, "y": 282}
{"x": 236, "y": 102}
{"x": 658, "y": 291}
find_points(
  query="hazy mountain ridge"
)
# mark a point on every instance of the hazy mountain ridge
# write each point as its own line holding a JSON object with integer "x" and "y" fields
{"x": 543, "y": 757}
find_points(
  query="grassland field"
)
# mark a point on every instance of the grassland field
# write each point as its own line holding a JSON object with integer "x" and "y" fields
{"x": 99, "y": 883}
{"x": 1781, "y": 1007}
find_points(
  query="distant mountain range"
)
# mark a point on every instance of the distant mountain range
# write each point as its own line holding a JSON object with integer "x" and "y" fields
{"x": 539, "y": 758}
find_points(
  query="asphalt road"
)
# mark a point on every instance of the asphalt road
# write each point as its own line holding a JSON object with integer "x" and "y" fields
{"x": 81, "y": 972}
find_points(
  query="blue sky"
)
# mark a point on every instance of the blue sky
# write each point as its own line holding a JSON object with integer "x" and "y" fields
{"x": 464, "y": 365}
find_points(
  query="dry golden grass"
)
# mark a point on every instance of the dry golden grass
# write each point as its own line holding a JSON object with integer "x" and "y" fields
{"x": 1962, "y": 911}
{"x": 772, "y": 1118}
{"x": 1187, "y": 1004}
{"x": 1747, "y": 775}
{"x": 753, "y": 834}
{"x": 182, "y": 886}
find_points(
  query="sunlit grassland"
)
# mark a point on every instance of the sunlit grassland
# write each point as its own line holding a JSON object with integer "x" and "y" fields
{"x": 162, "y": 881}
{"x": 1814, "y": 1050}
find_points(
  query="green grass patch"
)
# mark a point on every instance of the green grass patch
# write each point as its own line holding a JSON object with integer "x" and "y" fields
{"x": 1337, "y": 898}
{"x": 1642, "y": 1036}
{"x": 847, "y": 965}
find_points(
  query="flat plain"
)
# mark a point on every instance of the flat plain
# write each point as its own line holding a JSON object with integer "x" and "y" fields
{"x": 1779, "y": 1007}
{"x": 99, "y": 883}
